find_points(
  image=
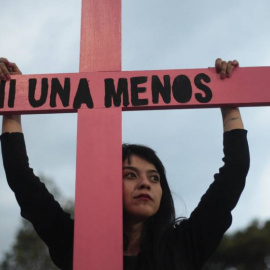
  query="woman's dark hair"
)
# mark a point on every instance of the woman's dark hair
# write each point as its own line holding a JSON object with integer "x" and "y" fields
{"x": 152, "y": 244}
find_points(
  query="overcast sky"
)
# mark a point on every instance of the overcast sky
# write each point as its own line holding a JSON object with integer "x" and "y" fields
{"x": 43, "y": 37}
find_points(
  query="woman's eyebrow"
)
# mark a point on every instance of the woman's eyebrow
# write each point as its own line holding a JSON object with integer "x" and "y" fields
{"x": 130, "y": 168}
{"x": 153, "y": 171}
{"x": 136, "y": 170}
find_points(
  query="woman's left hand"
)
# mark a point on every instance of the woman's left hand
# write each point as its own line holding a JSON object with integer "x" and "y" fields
{"x": 231, "y": 115}
{"x": 225, "y": 68}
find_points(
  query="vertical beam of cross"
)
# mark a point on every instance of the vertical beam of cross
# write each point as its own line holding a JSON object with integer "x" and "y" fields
{"x": 98, "y": 242}
{"x": 100, "y": 36}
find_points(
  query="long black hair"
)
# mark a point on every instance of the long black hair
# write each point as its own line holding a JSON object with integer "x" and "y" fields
{"x": 152, "y": 239}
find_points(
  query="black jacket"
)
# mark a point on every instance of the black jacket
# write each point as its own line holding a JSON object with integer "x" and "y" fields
{"x": 192, "y": 241}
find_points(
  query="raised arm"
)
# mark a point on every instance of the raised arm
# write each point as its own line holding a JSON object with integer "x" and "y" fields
{"x": 53, "y": 225}
{"x": 231, "y": 115}
{"x": 11, "y": 123}
{"x": 209, "y": 221}
{"x": 231, "y": 119}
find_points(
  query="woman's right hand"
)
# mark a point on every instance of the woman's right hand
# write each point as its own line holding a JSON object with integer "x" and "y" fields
{"x": 7, "y": 68}
{"x": 11, "y": 123}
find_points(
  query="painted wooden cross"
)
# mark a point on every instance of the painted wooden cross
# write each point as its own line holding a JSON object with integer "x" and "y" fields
{"x": 99, "y": 93}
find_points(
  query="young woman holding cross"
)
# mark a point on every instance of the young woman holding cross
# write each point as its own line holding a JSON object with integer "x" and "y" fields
{"x": 153, "y": 238}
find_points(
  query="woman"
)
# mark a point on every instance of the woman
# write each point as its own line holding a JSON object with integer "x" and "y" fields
{"x": 153, "y": 238}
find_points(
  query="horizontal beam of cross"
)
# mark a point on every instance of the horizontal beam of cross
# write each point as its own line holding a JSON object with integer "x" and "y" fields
{"x": 135, "y": 90}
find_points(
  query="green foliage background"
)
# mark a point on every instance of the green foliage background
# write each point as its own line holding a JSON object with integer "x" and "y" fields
{"x": 248, "y": 249}
{"x": 28, "y": 251}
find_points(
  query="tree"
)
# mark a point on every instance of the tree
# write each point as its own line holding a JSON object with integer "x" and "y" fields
{"x": 248, "y": 249}
{"x": 28, "y": 251}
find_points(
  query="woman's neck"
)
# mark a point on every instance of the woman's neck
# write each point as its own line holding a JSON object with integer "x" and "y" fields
{"x": 133, "y": 232}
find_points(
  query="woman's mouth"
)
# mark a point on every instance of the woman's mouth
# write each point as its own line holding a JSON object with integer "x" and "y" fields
{"x": 144, "y": 197}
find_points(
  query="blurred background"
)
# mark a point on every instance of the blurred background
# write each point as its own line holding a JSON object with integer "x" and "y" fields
{"x": 44, "y": 37}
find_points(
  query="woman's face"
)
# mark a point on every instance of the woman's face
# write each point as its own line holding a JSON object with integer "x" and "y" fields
{"x": 141, "y": 189}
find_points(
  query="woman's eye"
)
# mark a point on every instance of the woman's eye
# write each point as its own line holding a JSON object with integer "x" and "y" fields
{"x": 130, "y": 175}
{"x": 155, "y": 178}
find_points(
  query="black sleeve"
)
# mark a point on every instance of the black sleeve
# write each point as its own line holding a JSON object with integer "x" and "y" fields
{"x": 53, "y": 225}
{"x": 203, "y": 231}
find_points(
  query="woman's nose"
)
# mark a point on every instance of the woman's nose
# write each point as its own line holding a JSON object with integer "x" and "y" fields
{"x": 144, "y": 183}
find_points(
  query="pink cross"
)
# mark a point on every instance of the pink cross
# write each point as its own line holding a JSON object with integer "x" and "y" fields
{"x": 98, "y": 94}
